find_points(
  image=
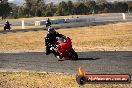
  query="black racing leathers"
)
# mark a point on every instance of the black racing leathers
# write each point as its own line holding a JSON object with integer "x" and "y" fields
{"x": 50, "y": 40}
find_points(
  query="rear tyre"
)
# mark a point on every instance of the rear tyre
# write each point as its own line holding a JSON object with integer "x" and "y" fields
{"x": 4, "y": 28}
{"x": 73, "y": 54}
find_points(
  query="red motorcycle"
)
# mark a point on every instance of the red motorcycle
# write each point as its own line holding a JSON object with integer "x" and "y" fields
{"x": 64, "y": 49}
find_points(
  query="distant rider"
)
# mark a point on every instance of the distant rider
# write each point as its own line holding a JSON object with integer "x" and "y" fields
{"x": 7, "y": 25}
{"x": 48, "y": 23}
{"x": 50, "y": 39}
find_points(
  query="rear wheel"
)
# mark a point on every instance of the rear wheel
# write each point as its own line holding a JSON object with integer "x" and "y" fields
{"x": 73, "y": 54}
{"x": 4, "y": 28}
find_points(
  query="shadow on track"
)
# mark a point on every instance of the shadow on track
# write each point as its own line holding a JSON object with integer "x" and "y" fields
{"x": 88, "y": 59}
{"x": 81, "y": 59}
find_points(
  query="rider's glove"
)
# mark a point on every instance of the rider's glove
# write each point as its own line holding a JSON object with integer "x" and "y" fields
{"x": 64, "y": 36}
{"x": 57, "y": 46}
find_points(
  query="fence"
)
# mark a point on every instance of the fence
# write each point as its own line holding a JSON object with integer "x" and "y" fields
{"x": 62, "y": 21}
{"x": 81, "y": 19}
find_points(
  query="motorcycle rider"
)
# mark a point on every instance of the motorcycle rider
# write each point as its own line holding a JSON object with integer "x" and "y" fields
{"x": 7, "y": 25}
{"x": 50, "y": 39}
{"x": 48, "y": 23}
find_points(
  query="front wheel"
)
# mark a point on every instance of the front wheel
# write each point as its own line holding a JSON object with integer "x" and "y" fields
{"x": 73, "y": 54}
{"x": 9, "y": 28}
{"x": 57, "y": 55}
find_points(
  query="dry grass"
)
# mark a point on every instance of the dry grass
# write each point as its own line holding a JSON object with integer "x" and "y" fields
{"x": 104, "y": 37}
{"x": 22, "y": 41}
{"x": 107, "y": 37}
{"x": 43, "y": 80}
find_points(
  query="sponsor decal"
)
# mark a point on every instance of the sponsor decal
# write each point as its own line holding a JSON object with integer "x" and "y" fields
{"x": 83, "y": 78}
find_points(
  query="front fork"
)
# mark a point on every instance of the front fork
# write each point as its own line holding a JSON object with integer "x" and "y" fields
{"x": 67, "y": 54}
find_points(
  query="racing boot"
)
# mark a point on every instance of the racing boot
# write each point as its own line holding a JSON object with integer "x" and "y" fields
{"x": 47, "y": 52}
{"x": 60, "y": 58}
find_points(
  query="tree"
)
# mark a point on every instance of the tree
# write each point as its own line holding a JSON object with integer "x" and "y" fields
{"x": 90, "y": 4}
{"x": 40, "y": 6}
{"x": 104, "y": 6}
{"x": 34, "y": 7}
{"x": 62, "y": 9}
{"x": 129, "y": 3}
{"x": 70, "y": 6}
{"x": 81, "y": 9}
{"x": 120, "y": 6}
{"x": 50, "y": 9}
{"x": 4, "y": 8}
{"x": 101, "y": 1}
{"x": 28, "y": 7}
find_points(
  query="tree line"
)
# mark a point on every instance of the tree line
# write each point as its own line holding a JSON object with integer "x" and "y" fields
{"x": 39, "y": 8}
{"x": 4, "y": 8}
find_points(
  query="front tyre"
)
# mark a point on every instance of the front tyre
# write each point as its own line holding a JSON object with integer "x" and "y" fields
{"x": 9, "y": 28}
{"x": 57, "y": 55}
{"x": 60, "y": 58}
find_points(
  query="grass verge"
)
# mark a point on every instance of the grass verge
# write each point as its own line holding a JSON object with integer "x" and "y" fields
{"x": 25, "y": 79}
{"x": 110, "y": 37}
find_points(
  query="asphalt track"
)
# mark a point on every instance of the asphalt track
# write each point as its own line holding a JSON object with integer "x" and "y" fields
{"x": 94, "y": 62}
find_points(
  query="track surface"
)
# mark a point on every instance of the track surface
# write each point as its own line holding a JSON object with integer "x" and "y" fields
{"x": 97, "y": 62}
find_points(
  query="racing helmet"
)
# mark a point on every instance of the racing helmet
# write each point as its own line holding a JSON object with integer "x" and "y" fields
{"x": 51, "y": 30}
{"x": 7, "y": 21}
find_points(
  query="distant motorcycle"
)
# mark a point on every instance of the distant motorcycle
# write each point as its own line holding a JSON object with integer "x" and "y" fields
{"x": 64, "y": 49}
{"x": 7, "y": 26}
{"x": 48, "y": 24}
